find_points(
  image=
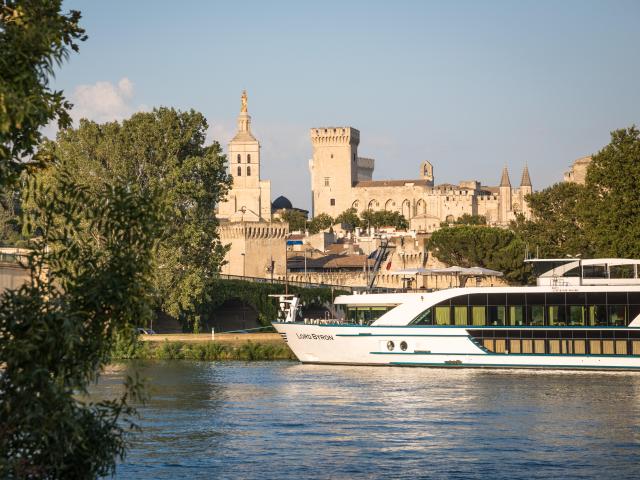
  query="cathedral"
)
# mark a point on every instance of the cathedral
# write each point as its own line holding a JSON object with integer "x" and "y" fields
{"x": 340, "y": 180}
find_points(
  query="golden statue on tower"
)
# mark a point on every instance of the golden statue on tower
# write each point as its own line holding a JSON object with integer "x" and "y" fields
{"x": 243, "y": 109}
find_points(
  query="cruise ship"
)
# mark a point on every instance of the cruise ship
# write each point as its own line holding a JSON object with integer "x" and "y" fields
{"x": 582, "y": 314}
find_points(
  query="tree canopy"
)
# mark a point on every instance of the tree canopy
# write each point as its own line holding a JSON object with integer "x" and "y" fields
{"x": 162, "y": 151}
{"x": 611, "y": 202}
{"x": 349, "y": 217}
{"x": 320, "y": 222}
{"x": 296, "y": 219}
{"x": 489, "y": 247}
{"x": 35, "y": 37}
{"x": 384, "y": 218}
{"x": 556, "y": 229}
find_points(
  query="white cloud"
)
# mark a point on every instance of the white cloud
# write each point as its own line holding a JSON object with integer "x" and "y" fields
{"x": 104, "y": 101}
{"x": 100, "y": 102}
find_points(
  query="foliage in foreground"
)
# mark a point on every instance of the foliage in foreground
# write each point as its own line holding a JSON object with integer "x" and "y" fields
{"x": 34, "y": 38}
{"x": 90, "y": 274}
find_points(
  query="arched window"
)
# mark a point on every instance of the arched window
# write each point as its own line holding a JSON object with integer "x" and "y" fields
{"x": 248, "y": 158}
{"x": 239, "y": 159}
{"x": 248, "y": 171}
{"x": 239, "y": 171}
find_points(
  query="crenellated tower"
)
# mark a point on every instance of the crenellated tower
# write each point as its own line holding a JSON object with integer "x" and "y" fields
{"x": 334, "y": 168}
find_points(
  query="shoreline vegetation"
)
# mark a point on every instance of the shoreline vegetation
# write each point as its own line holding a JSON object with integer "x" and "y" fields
{"x": 243, "y": 347}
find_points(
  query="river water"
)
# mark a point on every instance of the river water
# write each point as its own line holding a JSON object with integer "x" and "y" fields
{"x": 268, "y": 420}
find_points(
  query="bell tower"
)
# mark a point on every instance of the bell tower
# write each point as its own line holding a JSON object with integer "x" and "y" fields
{"x": 249, "y": 198}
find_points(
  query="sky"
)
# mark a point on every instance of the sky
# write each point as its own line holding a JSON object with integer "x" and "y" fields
{"x": 471, "y": 86}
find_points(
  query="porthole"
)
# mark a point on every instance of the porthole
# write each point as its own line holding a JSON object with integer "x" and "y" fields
{"x": 390, "y": 345}
{"x": 403, "y": 346}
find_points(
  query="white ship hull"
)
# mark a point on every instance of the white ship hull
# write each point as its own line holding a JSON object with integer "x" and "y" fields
{"x": 425, "y": 347}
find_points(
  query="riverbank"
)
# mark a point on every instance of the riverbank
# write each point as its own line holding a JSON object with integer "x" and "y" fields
{"x": 244, "y": 347}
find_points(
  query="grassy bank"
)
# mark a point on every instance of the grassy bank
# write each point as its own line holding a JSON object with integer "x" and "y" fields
{"x": 206, "y": 351}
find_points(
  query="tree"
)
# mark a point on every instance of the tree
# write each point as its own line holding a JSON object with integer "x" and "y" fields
{"x": 34, "y": 38}
{"x": 296, "y": 219}
{"x": 320, "y": 222}
{"x": 611, "y": 199}
{"x": 556, "y": 228}
{"x": 467, "y": 219}
{"x": 90, "y": 271}
{"x": 489, "y": 247}
{"x": 90, "y": 279}
{"x": 384, "y": 218}
{"x": 163, "y": 150}
{"x": 349, "y": 217}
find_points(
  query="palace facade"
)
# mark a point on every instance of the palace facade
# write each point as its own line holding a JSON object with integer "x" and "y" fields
{"x": 340, "y": 180}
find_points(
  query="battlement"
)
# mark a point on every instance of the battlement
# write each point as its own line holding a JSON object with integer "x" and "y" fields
{"x": 253, "y": 230}
{"x": 335, "y": 136}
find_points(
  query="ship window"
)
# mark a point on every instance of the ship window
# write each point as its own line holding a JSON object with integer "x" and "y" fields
{"x": 460, "y": 315}
{"x": 576, "y": 298}
{"x": 576, "y": 315}
{"x": 516, "y": 298}
{"x": 497, "y": 298}
{"x": 516, "y": 315}
{"x": 460, "y": 300}
{"x": 597, "y": 315}
{"x": 556, "y": 315}
{"x": 479, "y": 315}
{"x": 536, "y": 315}
{"x": 425, "y": 318}
{"x": 621, "y": 271}
{"x": 596, "y": 298}
{"x": 479, "y": 299}
{"x": 442, "y": 316}
{"x": 594, "y": 271}
{"x": 403, "y": 346}
{"x": 495, "y": 315}
{"x": 617, "y": 315}
{"x": 390, "y": 345}
{"x": 535, "y": 298}
{"x": 617, "y": 297}
{"x": 555, "y": 298}
{"x": 574, "y": 272}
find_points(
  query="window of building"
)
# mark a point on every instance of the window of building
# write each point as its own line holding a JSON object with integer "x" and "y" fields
{"x": 248, "y": 158}
{"x": 239, "y": 158}
{"x": 239, "y": 171}
{"x": 248, "y": 171}
{"x": 326, "y": 181}
{"x": 332, "y": 202}
{"x": 354, "y": 158}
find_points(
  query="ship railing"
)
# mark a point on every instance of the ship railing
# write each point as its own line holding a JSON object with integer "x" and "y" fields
{"x": 323, "y": 321}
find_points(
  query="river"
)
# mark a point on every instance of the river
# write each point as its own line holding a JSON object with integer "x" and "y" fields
{"x": 268, "y": 420}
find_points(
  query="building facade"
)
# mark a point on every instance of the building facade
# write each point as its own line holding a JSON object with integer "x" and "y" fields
{"x": 249, "y": 199}
{"x": 340, "y": 180}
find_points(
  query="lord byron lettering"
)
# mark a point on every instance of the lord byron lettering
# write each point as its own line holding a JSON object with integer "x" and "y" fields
{"x": 313, "y": 336}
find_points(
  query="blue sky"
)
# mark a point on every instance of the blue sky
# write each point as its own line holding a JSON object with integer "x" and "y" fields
{"x": 470, "y": 86}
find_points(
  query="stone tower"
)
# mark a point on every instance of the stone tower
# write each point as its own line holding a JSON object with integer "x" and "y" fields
{"x": 505, "y": 196}
{"x": 333, "y": 168}
{"x": 525, "y": 189}
{"x": 250, "y": 198}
